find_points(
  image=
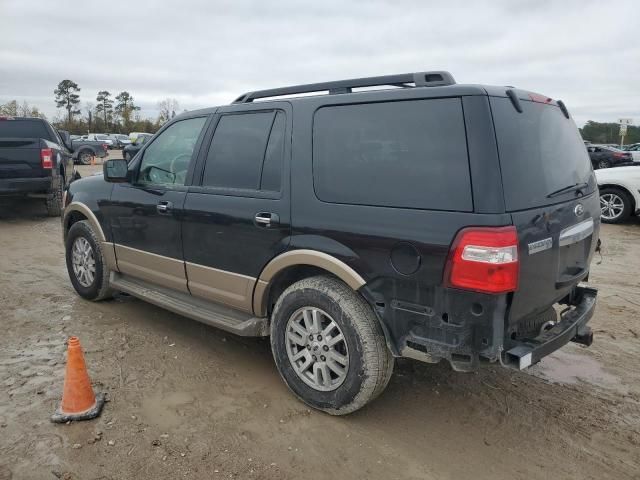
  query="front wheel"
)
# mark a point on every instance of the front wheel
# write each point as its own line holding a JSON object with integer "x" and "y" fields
{"x": 328, "y": 346}
{"x": 86, "y": 265}
{"x": 615, "y": 205}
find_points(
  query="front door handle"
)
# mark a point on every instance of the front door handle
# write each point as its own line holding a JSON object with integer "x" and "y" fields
{"x": 164, "y": 207}
{"x": 266, "y": 219}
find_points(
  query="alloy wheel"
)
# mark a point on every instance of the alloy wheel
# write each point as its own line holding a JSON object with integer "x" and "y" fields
{"x": 83, "y": 262}
{"x": 317, "y": 349}
{"x": 611, "y": 206}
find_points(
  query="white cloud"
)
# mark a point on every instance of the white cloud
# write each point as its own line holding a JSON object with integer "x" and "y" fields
{"x": 205, "y": 53}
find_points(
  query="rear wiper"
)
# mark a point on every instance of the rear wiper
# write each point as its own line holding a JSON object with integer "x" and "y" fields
{"x": 576, "y": 187}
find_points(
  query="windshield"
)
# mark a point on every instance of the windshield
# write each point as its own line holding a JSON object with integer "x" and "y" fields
{"x": 541, "y": 152}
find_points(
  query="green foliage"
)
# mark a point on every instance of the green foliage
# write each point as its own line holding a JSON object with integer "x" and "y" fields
{"x": 68, "y": 98}
{"x": 105, "y": 105}
{"x": 125, "y": 108}
{"x": 597, "y": 132}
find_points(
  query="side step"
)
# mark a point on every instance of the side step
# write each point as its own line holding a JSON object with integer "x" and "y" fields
{"x": 210, "y": 313}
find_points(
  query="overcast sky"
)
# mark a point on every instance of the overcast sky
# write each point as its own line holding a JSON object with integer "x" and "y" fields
{"x": 205, "y": 53}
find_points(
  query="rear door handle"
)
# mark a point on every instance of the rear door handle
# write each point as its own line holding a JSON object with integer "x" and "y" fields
{"x": 266, "y": 219}
{"x": 164, "y": 207}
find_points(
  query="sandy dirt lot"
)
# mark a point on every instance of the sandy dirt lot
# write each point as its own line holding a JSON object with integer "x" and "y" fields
{"x": 190, "y": 401}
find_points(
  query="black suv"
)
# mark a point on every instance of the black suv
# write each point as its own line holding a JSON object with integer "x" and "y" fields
{"x": 423, "y": 219}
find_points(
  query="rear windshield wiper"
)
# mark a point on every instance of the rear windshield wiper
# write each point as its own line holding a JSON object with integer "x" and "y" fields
{"x": 578, "y": 187}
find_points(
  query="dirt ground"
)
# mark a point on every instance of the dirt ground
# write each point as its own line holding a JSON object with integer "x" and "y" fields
{"x": 189, "y": 401}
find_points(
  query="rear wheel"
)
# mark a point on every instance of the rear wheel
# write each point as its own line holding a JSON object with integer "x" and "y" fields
{"x": 86, "y": 265}
{"x": 615, "y": 205}
{"x": 85, "y": 157}
{"x": 54, "y": 200}
{"x": 328, "y": 346}
{"x": 604, "y": 164}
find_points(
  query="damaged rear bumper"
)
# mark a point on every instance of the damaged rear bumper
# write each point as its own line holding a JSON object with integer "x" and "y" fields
{"x": 571, "y": 327}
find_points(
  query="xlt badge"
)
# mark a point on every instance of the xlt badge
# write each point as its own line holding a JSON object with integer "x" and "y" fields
{"x": 540, "y": 245}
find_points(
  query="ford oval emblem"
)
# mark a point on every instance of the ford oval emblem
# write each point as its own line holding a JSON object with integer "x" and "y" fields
{"x": 579, "y": 210}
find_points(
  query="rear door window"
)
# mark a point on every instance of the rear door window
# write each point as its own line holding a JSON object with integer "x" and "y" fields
{"x": 541, "y": 152}
{"x": 409, "y": 154}
{"x": 246, "y": 152}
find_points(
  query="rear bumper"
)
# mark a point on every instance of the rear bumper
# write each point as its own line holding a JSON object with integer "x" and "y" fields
{"x": 23, "y": 186}
{"x": 571, "y": 327}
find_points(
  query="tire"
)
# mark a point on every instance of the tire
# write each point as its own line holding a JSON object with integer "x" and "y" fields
{"x": 369, "y": 362}
{"x": 604, "y": 164}
{"x": 615, "y": 205}
{"x": 53, "y": 201}
{"x": 84, "y": 157}
{"x": 98, "y": 289}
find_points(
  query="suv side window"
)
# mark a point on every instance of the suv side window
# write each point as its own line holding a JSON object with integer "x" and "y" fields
{"x": 246, "y": 152}
{"x": 166, "y": 160}
{"x": 407, "y": 154}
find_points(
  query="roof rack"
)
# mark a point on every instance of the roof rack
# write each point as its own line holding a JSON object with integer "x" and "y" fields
{"x": 408, "y": 80}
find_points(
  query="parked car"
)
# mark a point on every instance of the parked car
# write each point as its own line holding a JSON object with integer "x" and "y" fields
{"x": 100, "y": 137}
{"x": 619, "y": 193}
{"x": 134, "y": 135}
{"x": 634, "y": 149}
{"x": 355, "y": 227}
{"x": 120, "y": 140}
{"x": 35, "y": 161}
{"x": 604, "y": 156}
{"x": 129, "y": 151}
{"x": 85, "y": 150}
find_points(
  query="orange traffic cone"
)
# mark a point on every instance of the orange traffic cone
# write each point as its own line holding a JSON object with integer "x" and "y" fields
{"x": 78, "y": 400}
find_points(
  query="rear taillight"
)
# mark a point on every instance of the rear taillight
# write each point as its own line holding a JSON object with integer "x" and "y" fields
{"x": 105, "y": 146}
{"x": 621, "y": 155}
{"x": 46, "y": 158}
{"x": 484, "y": 259}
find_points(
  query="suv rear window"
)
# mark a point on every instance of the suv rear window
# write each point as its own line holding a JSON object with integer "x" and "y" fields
{"x": 409, "y": 154}
{"x": 23, "y": 129}
{"x": 541, "y": 151}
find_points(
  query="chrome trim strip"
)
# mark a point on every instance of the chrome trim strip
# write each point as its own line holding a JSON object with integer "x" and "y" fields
{"x": 576, "y": 233}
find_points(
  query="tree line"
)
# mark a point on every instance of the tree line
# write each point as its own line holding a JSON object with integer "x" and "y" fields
{"x": 597, "y": 132}
{"x": 112, "y": 114}
{"x": 109, "y": 114}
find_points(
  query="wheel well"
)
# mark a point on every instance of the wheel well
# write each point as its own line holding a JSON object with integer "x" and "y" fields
{"x": 622, "y": 189}
{"x": 287, "y": 277}
{"x": 73, "y": 217}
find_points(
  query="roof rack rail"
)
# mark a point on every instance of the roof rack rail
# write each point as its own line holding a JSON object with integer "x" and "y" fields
{"x": 408, "y": 80}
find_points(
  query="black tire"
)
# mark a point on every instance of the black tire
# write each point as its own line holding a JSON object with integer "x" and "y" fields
{"x": 370, "y": 361}
{"x": 608, "y": 194}
{"x": 84, "y": 157}
{"x": 604, "y": 164}
{"x": 53, "y": 201}
{"x": 99, "y": 289}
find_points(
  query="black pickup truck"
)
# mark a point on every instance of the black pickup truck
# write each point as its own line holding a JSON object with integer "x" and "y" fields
{"x": 36, "y": 160}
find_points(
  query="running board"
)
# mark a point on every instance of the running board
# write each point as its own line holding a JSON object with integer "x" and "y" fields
{"x": 210, "y": 313}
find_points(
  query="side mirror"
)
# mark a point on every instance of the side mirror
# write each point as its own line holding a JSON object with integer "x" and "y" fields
{"x": 66, "y": 139}
{"x": 116, "y": 170}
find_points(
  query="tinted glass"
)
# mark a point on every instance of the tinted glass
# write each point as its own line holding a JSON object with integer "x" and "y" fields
{"x": 167, "y": 159}
{"x": 541, "y": 151}
{"x": 399, "y": 154}
{"x": 23, "y": 129}
{"x": 272, "y": 167}
{"x": 237, "y": 151}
